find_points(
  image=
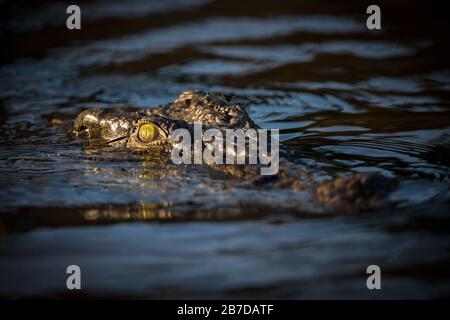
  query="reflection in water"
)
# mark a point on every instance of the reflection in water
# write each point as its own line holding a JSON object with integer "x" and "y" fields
{"x": 26, "y": 219}
{"x": 348, "y": 100}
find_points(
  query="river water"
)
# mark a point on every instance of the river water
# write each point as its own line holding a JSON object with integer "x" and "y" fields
{"x": 345, "y": 97}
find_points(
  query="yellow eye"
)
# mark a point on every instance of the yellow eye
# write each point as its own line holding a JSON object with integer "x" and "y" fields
{"x": 147, "y": 132}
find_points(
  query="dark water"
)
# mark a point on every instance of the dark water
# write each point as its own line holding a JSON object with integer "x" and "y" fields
{"x": 347, "y": 98}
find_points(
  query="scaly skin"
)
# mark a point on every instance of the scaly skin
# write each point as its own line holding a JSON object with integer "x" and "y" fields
{"x": 120, "y": 129}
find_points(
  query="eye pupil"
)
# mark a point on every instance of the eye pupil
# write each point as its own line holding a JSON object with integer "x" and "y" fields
{"x": 147, "y": 132}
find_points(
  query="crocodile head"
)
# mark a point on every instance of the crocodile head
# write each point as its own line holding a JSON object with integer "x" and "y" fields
{"x": 150, "y": 128}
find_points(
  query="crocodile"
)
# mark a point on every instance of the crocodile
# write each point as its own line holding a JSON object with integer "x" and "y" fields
{"x": 150, "y": 131}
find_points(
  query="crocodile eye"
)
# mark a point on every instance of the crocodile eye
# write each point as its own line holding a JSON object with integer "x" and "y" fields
{"x": 148, "y": 132}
